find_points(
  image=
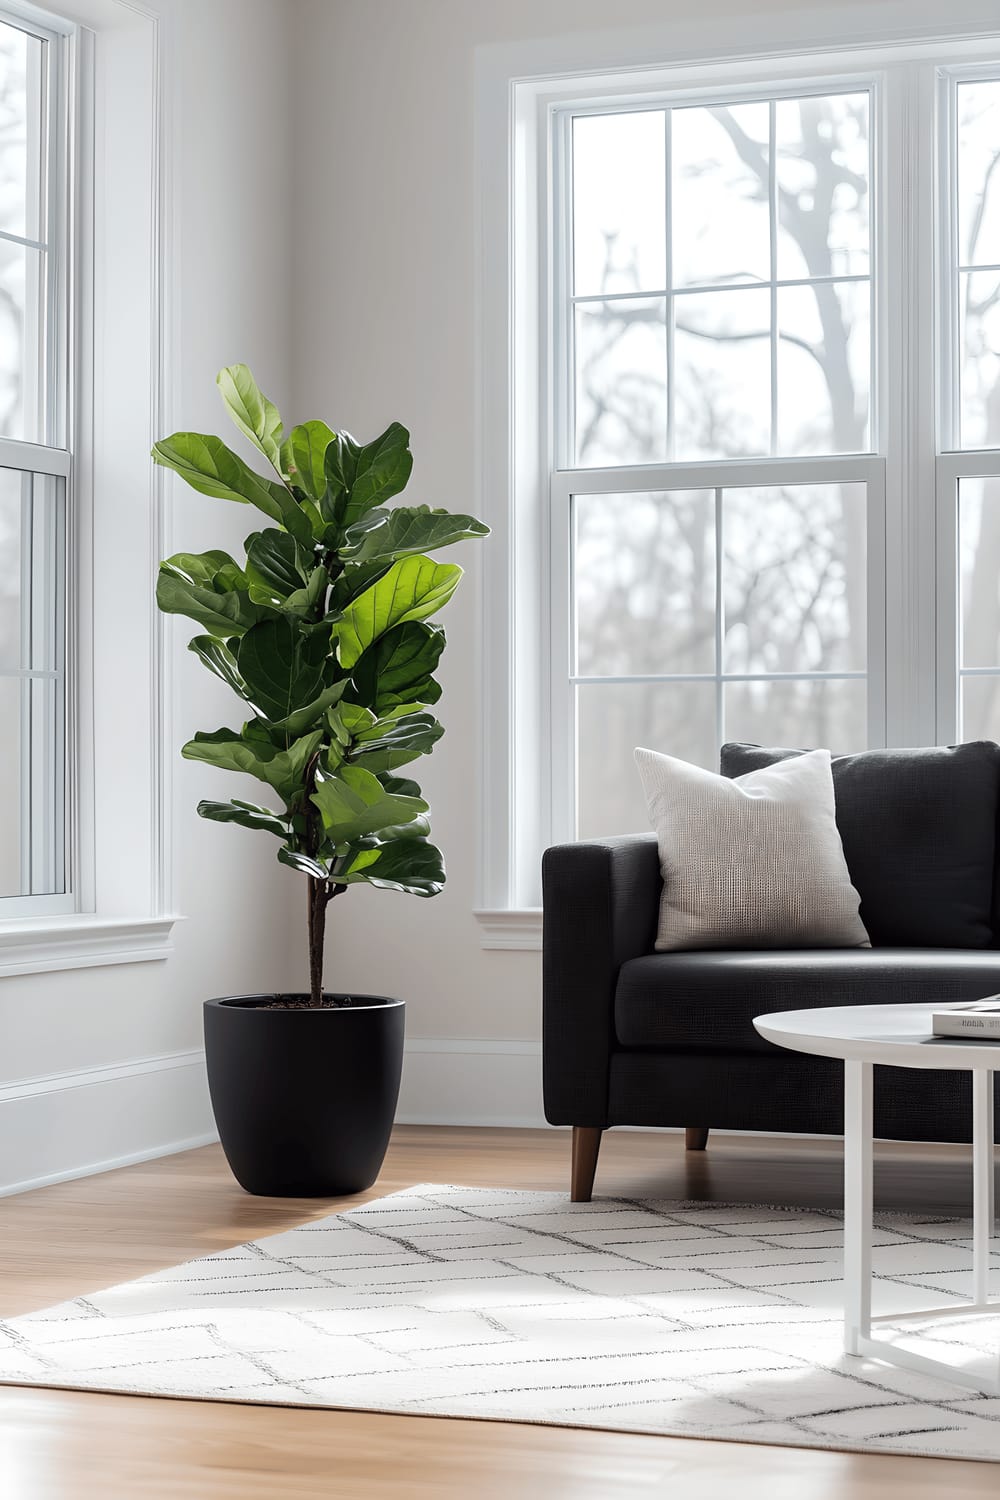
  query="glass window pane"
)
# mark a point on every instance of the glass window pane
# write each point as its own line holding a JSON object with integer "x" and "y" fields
{"x": 11, "y": 489}
{"x": 22, "y": 336}
{"x": 821, "y": 166}
{"x": 804, "y": 715}
{"x": 979, "y": 173}
{"x": 619, "y": 203}
{"x": 676, "y": 718}
{"x": 979, "y": 552}
{"x": 644, "y": 583}
{"x": 621, "y": 385}
{"x": 719, "y": 212}
{"x": 10, "y": 787}
{"x": 980, "y": 708}
{"x": 979, "y": 313}
{"x": 794, "y": 574}
{"x": 32, "y": 684}
{"x": 31, "y": 571}
{"x": 22, "y": 59}
{"x": 824, "y": 368}
{"x": 722, "y": 374}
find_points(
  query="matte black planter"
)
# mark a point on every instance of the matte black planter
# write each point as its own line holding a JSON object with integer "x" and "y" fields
{"x": 304, "y": 1099}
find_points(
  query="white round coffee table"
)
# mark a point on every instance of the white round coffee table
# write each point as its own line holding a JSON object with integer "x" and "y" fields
{"x": 899, "y": 1035}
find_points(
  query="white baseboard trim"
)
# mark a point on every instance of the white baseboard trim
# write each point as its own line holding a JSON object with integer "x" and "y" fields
{"x": 88, "y": 1120}
{"x": 170, "y": 1148}
{"x": 471, "y": 1081}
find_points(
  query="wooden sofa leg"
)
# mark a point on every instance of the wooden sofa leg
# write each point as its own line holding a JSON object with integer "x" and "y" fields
{"x": 586, "y": 1145}
{"x": 696, "y": 1137}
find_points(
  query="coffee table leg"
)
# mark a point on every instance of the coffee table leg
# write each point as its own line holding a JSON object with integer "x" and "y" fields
{"x": 857, "y": 1204}
{"x": 982, "y": 1181}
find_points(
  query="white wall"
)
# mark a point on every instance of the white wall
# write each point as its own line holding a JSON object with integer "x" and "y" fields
{"x": 384, "y": 328}
{"x": 101, "y": 1064}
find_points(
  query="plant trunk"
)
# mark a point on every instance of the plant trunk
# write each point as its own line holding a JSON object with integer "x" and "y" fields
{"x": 320, "y": 894}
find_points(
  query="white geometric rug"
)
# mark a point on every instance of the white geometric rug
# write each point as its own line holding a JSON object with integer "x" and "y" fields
{"x": 696, "y": 1319}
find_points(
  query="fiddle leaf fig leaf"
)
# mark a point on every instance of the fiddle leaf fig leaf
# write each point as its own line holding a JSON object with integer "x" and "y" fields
{"x": 304, "y": 863}
{"x": 205, "y": 587}
{"x": 381, "y": 470}
{"x": 413, "y": 588}
{"x": 406, "y": 530}
{"x": 304, "y": 718}
{"x": 303, "y": 457}
{"x": 392, "y": 742}
{"x": 397, "y": 668}
{"x": 284, "y": 770}
{"x": 282, "y": 668}
{"x": 211, "y": 468}
{"x": 218, "y": 658}
{"x": 354, "y": 802}
{"x": 277, "y": 562}
{"x": 244, "y": 813}
{"x": 255, "y": 416}
{"x": 410, "y": 865}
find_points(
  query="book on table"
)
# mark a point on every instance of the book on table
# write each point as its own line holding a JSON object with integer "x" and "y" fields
{"x": 972, "y": 1018}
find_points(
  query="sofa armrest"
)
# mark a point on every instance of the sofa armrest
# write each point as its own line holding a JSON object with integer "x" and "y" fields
{"x": 600, "y": 902}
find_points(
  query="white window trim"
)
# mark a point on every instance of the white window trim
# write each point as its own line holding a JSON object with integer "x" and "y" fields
{"x": 516, "y": 86}
{"x": 119, "y": 737}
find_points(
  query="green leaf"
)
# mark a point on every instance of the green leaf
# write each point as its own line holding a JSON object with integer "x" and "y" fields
{"x": 399, "y": 786}
{"x": 282, "y": 667}
{"x": 304, "y": 601}
{"x": 413, "y": 588}
{"x": 303, "y": 863}
{"x": 304, "y": 718}
{"x": 406, "y": 530}
{"x": 213, "y": 469}
{"x": 255, "y": 416}
{"x": 284, "y": 770}
{"x": 303, "y": 457}
{"x": 381, "y": 470}
{"x": 244, "y": 813}
{"x": 393, "y": 742}
{"x": 277, "y": 562}
{"x": 410, "y": 865}
{"x": 218, "y": 658}
{"x": 347, "y": 871}
{"x": 354, "y": 802}
{"x": 397, "y": 668}
{"x": 202, "y": 587}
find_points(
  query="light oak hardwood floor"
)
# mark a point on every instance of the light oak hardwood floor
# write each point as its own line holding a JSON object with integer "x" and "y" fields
{"x": 79, "y": 1236}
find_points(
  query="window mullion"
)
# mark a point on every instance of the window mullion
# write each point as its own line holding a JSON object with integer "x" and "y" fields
{"x": 772, "y": 208}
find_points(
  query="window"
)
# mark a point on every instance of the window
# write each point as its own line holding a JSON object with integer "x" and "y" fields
{"x": 717, "y": 283}
{"x": 972, "y": 415}
{"x": 740, "y": 409}
{"x": 34, "y": 471}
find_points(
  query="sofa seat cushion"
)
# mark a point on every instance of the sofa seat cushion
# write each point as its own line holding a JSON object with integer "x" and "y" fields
{"x": 919, "y": 835}
{"x": 707, "y": 1001}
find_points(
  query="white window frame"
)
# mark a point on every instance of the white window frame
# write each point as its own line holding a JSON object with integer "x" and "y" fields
{"x": 47, "y": 851}
{"x": 903, "y": 49}
{"x": 118, "y": 707}
{"x": 954, "y": 463}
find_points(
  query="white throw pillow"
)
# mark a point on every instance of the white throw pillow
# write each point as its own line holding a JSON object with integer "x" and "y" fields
{"x": 754, "y": 861}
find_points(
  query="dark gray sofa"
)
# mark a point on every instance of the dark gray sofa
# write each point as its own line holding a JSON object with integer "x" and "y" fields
{"x": 635, "y": 1037}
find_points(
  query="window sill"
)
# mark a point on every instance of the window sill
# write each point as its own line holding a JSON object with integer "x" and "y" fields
{"x": 40, "y": 944}
{"x": 511, "y": 929}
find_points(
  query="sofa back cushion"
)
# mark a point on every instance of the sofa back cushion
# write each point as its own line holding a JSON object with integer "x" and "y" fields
{"x": 919, "y": 835}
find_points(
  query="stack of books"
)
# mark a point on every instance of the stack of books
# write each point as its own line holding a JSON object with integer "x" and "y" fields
{"x": 973, "y": 1018}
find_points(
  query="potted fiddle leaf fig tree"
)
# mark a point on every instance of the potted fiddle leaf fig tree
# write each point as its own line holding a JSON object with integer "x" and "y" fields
{"x": 323, "y": 633}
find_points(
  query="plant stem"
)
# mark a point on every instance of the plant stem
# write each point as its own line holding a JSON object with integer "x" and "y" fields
{"x": 320, "y": 894}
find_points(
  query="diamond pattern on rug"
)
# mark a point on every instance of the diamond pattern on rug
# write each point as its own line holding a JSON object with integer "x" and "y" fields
{"x": 696, "y": 1319}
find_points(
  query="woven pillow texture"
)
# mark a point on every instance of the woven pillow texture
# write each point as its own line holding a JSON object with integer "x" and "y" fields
{"x": 750, "y": 862}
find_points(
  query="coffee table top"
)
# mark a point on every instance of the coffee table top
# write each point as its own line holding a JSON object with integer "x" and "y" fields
{"x": 896, "y": 1034}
